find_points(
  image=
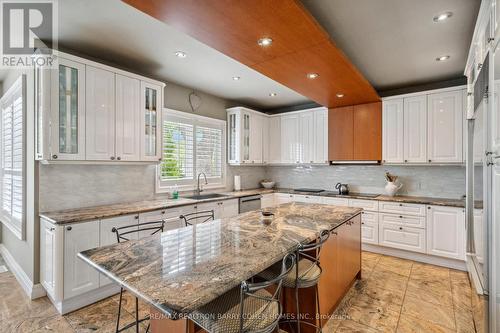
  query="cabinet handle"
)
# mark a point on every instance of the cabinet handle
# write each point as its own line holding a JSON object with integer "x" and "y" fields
{"x": 400, "y": 204}
{"x": 136, "y": 217}
{"x": 52, "y": 229}
{"x": 362, "y": 223}
{"x": 69, "y": 228}
{"x": 428, "y": 207}
{"x": 163, "y": 212}
{"x": 400, "y": 216}
{"x": 400, "y": 228}
{"x": 112, "y": 158}
{"x": 406, "y": 161}
{"x": 54, "y": 156}
{"x": 430, "y": 161}
{"x": 362, "y": 212}
{"x": 119, "y": 158}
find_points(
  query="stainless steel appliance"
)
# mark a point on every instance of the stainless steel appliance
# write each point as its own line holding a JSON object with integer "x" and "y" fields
{"x": 478, "y": 175}
{"x": 343, "y": 188}
{"x": 249, "y": 203}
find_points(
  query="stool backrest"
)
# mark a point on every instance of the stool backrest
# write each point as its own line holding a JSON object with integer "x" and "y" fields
{"x": 198, "y": 217}
{"x": 122, "y": 233}
{"x": 304, "y": 251}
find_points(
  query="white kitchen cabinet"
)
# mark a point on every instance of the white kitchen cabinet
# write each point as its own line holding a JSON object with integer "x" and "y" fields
{"x": 267, "y": 200}
{"x": 68, "y": 111}
{"x": 100, "y": 114}
{"x": 402, "y": 208}
{"x": 274, "y": 140}
{"x": 151, "y": 107}
{"x": 108, "y": 237}
{"x": 402, "y": 237}
{"x": 335, "y": 201}
{"x": 407, "y": 220}
{"x": 256, "y": 133}
{"x": 265, "y": 140}
{"x": 307, "y": 198}
{"x": 371, "y": 205}
{"x": 479, "y": 234}
{"x": 222, "y": 209}
{"x": 128, "y": 118}
{"x": 415, "y": 129}
{"x": 393, "y": 131}
{"x": 320, "y": 128}
{"x": 230, "y": 208}
{"x": 282, "y": 198}
{"x": 79, "y": 277}
{"x": 48, "y": 256}
{"x": 306, "y": 138}
{"x": 245, "y": 136}
{"x": 444, "y": 131}
{"x": 369, "y": 227}
{"x": 479, "y": 150}
{"x": 446, "y": 232}
{"x": 290, "y": 139}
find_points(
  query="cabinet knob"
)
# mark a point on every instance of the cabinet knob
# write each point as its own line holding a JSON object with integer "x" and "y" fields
{"x": 430, "y": 161}
{"x": 159, "y": 159}
{"x": 112, "y": 158}
{"x": 400, "y": 216}
{"x": 69, "y": 228}
{"x": 119, "y": 158}
{"x": 363, "y": 223}
{"x": 428, "y": 207}
{"x": 253, "y": 161}
{"x": 54, "y": 156}
{"x": 400, "y": 204}
{"x": 406, "y": 161}
{"x": 136, "y": 217}
{"x": 163, "y": 212}
{"x": 400, "y": 228}
{"x": 52, "y": 229}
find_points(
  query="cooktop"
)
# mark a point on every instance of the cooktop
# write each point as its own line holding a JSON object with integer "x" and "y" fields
{"x": 310, "y": 190}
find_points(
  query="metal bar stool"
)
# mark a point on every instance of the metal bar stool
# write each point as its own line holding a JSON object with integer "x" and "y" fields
{"x": 121, "y": 233}
{"x": 198, "y": 217}
{"x": 307, "y": 271}
{"x": 249, "y": 308}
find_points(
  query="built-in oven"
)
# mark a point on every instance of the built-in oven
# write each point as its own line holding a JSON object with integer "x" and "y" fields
{"x": 250, "y": 203}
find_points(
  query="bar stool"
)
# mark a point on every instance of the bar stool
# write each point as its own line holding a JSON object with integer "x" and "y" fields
{"x": 306, "y": 273}
{"x": 122, "y": 234}
{"x": 248, "y": 308}
{"x": 198, "y": 217}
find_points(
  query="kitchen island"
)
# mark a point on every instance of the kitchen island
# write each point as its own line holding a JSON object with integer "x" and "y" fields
{"x": 183, "y": 269}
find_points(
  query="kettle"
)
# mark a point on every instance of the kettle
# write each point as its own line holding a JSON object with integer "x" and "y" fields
{"x": 343, "y": 188}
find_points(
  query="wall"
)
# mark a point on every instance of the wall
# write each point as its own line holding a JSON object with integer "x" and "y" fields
{"x": 432, "y": 181}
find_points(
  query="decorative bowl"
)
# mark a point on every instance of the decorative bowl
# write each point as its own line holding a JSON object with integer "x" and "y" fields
{"x": 268, "y": 184}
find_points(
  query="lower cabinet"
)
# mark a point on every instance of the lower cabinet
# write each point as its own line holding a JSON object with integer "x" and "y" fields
{"x": 48, "y": 256}
{"x": 446, "y": 232}
{"x": 335, "y": 201}
{"x": 222, "y": 209}
{"x": 267, "y": 200}
{"x": 79, "y": 277}
{"x": 401, "y": 237}
{"x": 369, "y": 227}
{"x": 307, "y": 198}
{"x": 282, "y": 198}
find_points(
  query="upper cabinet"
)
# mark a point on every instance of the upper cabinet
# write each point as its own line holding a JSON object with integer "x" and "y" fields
{"x": 355, "y": 133}
{"x": 299, "y": 137}
{"x": 445, "y": 125}
{"x": 86, "y": 111}
{"x": 424, "y": 128}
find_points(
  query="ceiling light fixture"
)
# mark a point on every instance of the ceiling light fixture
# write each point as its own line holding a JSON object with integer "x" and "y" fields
{"x": 312, "y": 76}
{"x": 443, "y": 16}
{"x": 180, "y": 54}
{"x": 236, "y": 78}
{"x": 273, "y": 94}
{"x": 265, "y": 41}
{"x": 339, "y": 95}
{"x": 443, "y": 58}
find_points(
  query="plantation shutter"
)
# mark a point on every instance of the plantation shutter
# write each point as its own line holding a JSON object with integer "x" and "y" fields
{"x": 178, "y": 150}
{"x": 209, "y": 151}
{"x": 12, "y": 158}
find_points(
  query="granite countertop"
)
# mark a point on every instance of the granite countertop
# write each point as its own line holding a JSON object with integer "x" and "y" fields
{"x": 107, "y": 211}
{"x": 180, "y": 270}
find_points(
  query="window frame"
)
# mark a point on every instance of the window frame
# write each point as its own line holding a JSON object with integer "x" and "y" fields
{"x": 164, "y": 186}
{"x": 7, "y": 219}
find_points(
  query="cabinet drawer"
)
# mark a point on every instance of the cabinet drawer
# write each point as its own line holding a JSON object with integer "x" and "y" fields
{"x": 407, "y": 220}
{"x": 401, "y": 208}
{"x": 283, "y": 198}
{"x": 402, "y": 237}
{"x": 307, "y": 198}
{"x": 369, "y": 227}
{"x": 365, "y": 204}
{"x": 335, "y": 201}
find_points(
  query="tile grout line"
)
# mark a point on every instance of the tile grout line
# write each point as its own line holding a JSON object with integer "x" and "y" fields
{"x": 404, "y": 297}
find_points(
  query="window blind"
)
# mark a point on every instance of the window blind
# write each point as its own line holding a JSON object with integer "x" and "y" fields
{"x": 191, "y": 144}
{"x": 12, "y": 158}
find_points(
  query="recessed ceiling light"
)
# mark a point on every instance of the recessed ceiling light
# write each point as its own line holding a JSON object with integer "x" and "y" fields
{"x": 236, "y": 78}
{"x": 273, "y": 94}
{"x": 443, "y": 16}
{"x": 266, "y": 41}
{"x": 339, "y": 95}
{"x": 180, "y": 54}
{"x": 312, "y": 76}
{"x": 443, "y": 58}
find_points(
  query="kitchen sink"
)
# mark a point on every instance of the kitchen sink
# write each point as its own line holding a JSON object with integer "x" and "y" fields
{"x": 206, "y": 196}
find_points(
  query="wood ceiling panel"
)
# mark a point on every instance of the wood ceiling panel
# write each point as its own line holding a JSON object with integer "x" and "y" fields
{"x": 300, "y": 45}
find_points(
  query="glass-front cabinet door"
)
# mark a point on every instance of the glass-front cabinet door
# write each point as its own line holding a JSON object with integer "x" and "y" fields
{"x": 233, "y": 138}
{"x": 246, "y": 138}
{"x": 68, "y": 111}
{"x": 151, "y": 120}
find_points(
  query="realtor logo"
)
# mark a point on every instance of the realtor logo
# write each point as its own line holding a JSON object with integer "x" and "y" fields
{"x": 29, "y": 33}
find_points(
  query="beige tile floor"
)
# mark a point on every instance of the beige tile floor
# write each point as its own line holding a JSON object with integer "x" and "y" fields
{"x": 394, "y": 295}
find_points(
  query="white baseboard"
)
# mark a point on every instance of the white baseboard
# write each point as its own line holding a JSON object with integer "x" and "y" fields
{"x": 80, "y": 301}
{"x": 420, "y": 257}
{"x": 32, "y": 290}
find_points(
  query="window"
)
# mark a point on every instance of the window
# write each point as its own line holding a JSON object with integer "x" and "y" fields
{"x": 191, "y": 144}
{"x": 12, "y": 108}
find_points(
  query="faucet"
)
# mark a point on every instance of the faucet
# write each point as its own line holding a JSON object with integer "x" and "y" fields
{"x": 198, "y": 188}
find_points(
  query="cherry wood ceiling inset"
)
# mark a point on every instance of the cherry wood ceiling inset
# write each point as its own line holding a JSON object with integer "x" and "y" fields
{"x": 300, "y": 45}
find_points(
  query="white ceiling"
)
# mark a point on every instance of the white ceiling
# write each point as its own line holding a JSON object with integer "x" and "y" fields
{"x": 113, "y": 31}
{"x": 394, "y": 43}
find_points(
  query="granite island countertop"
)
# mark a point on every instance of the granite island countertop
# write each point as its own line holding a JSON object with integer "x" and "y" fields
{"x": 216, "y": 256}
{"x": 113, "y": 210}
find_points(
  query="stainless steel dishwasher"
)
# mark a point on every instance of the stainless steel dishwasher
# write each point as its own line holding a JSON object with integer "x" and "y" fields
{"x": 250, "y": 203}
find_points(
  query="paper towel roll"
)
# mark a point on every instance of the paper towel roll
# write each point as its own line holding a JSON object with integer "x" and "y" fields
{"x": 237, "y": 183}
